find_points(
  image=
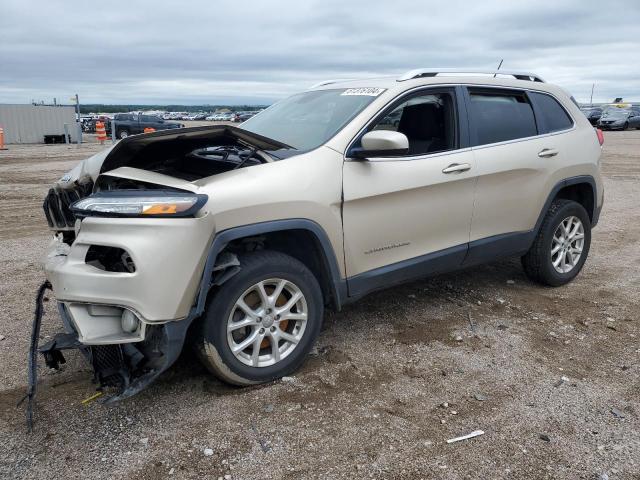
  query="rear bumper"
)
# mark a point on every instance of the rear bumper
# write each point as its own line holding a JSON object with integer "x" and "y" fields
{"x": 597, "y": 211}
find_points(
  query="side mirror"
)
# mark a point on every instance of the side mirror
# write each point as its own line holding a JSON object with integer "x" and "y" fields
{"x": 382, "y": 143}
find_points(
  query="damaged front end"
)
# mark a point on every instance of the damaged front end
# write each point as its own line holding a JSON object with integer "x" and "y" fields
{"x": 132, "y": 236}
{"x": 123, "y": 369}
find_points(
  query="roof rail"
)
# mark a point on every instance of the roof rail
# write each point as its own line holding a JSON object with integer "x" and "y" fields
{"x": 329, "y": 82}
{"x": 432, "y": 72}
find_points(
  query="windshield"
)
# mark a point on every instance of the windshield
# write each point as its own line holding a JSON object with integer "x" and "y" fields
{"x": 616, "y": 112}
{"x": 307, "y": 120}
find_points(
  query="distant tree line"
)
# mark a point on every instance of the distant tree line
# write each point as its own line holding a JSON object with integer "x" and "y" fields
{"x": 102, "y": 108}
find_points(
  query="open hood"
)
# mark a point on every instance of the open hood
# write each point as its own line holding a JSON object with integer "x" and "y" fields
{"x": 171, "y": 158}
{"x": 134, "y": 150}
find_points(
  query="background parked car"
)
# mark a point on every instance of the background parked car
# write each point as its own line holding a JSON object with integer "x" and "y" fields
{"x": 243, "y": 116}
{"x": 392, "y": 119}
{"x": 593, "y": 114}
{"x": 619, "y": 119}
{"x": 132, "y": 124}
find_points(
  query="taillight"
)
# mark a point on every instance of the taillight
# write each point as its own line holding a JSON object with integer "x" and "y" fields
{"x": 600, "y": 136}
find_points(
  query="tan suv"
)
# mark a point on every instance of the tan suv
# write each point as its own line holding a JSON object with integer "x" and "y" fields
{"x": 243, "y": 235}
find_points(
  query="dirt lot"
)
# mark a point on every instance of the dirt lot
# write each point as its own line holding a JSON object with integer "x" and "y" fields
{"x": 386, "y": 386}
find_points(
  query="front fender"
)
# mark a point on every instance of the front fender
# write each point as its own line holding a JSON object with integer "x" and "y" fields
{"x": 86, "y": 169}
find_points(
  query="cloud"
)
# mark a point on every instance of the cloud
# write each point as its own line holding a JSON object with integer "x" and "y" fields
{"x": 255, "y": 52}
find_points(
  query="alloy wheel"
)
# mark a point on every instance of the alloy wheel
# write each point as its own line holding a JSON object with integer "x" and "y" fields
{"x": 567, "y": 244}
{"x": 267, "y": 322}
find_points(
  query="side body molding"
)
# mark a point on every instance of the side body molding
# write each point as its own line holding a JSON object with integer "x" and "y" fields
{"x": 220, "y": 241}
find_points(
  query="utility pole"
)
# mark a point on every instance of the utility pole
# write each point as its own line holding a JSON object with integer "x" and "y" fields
{"x": 592, "y": 87}
{"x": 78, "y": 123}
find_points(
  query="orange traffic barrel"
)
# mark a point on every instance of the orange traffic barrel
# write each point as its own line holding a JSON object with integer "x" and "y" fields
{"x": 101, "y": 132}
{"x": 149, "y": 130}
{"x": 2, "y": 147}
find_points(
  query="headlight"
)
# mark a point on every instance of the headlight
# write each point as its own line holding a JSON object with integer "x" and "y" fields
{"x": 134, "y": 203}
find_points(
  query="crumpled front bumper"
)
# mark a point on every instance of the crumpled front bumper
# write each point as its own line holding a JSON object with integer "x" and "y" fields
{"x": 169, "y": 257}
{"x": 158, "y": 297}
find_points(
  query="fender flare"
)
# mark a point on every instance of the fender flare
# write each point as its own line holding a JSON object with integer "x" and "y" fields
{"x": 588, "y": 179}
{"x": 222, "y": 239}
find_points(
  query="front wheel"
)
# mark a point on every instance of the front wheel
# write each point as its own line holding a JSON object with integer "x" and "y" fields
{"x": 561, "y": 246}
{"x": 123, "y": 134}
{"x": 261, "y": 323}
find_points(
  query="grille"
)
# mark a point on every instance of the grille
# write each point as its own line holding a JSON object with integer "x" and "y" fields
{"x": 109, "y": 365}
{"x": 56, "y": 204}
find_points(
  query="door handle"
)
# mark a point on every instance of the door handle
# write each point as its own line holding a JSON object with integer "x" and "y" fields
{"x": 457, "y": 167}
{"x": 547, "y": 152}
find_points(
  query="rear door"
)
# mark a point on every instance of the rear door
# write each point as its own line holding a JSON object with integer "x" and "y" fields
{"x": 516, "y": 150}
{"x": 409, "y": 216}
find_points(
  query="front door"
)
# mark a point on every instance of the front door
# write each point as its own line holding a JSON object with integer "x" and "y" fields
{"x": 409, "y": 216}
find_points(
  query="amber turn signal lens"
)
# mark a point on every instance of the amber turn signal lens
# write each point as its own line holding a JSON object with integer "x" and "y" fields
{"x": 162, "y": 209}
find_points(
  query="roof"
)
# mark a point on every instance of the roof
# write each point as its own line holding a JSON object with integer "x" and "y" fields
{"x": 434, "y": 76}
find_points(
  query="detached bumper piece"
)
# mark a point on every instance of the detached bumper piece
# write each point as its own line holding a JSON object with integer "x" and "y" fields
{"x": 125, "y": 369}
{"x": 112, "y": 364}
{"x": 52, "y": 350}
{"x": 128, "y": 368}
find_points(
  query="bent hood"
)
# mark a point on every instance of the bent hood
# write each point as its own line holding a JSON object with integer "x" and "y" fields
{"x": 183, "y": 140}
{"x": 131, "y": 151}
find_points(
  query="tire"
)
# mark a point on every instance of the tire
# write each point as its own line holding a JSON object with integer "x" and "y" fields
{"x": 625, "y": 126}
{"x": 214, "y": 344}
{"x": 123, "y": 134}
{"x": 538, "y": 261}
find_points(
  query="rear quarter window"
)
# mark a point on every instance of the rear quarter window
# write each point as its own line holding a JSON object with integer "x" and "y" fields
{"x": 501, "y": 116}
{"x": 554, "y": 117}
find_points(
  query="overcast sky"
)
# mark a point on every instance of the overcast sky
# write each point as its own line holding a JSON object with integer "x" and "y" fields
{"x": 219, "y": 51}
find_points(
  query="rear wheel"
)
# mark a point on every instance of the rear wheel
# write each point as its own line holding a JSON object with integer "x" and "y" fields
{"x": 261, "y": 323}
{"x": 123, "y": 134}
{"x": 561, "y": 247}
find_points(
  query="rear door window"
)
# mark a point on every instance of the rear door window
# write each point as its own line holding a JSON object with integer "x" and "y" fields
{"x": 499, "y": 116}
{"x": 553, "y": 117}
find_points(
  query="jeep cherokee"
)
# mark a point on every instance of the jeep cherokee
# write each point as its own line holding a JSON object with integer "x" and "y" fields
{"x": 245, "y": 234}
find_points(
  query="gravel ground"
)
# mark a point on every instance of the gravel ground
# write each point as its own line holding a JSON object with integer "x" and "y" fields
{"x": 551, "y": 375}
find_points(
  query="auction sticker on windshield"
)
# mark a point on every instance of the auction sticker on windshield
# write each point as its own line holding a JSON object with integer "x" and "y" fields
{"x": 367, "y": 91}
